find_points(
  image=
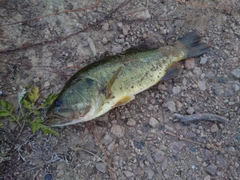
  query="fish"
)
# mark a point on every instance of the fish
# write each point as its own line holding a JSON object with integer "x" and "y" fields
{"x": 115, "y": 80}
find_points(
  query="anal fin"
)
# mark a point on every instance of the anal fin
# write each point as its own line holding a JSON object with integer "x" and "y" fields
{"x": 172, "y": 71}
{"x": 124, "y": 100}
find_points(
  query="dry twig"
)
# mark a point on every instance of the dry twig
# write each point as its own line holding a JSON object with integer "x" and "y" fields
{"x": 204, "y": 116}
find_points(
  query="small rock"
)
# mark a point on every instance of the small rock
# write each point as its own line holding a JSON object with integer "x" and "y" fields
{"x": 46, "y": 84}
{"x": 48, "y": 177}
{"x": 92, "y": 46}
{"x": 212, "y": 169}
{"x": 131, "y": 122}
{"x": 105, "y": 26}
{"x": 202, "y": 85}
{"x": 235, "y": 87}
{"x": 128, "y": 173}
{"x": 138, "y": 145}
{"x": 125, "y": 29}
{"x": 141, "y": 15}
{"x": 207, "y": 177}
{"x": 153, "y": 122}
{"x": 236, "y": 73}
{"x": 210, "y": 75}
{"x": 178, "y": 105}
{"x": 164, "y": 164}
{"x": 171, "y": 106}
{"x": 214, "y": 128}
{"x": 221, "y": 161}
{"x": 150, "y": 159}
{"x": 117, "y": 49}
{"x": 206, "y": 154}
{"x": 100, "y": 166}
{"x": 162, "y": 87}
{"x": 189, "y": 63}
{"x": 203, "y": 60}
{"x": 149, "y": 172}
{"x": 231, "y": 150}
{"x": 117, "y": 130}
{"x": 221, "y": 80}
{"x": 176, "y": 90}
{"x": 176, "y": 146}
{"x": 159, "y": 156}
{"x": 190, "y": 110}
{"x": 197, "y": 70}
{"x": 104, "y": 40}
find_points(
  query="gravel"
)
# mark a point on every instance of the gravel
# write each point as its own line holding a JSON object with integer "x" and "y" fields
{"x": 140, "y": 140}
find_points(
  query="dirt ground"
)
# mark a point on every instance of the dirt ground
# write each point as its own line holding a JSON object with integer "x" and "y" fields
{"x": 143, "y": 139}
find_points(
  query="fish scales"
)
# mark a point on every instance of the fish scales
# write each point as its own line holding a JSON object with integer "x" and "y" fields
{"x": 113, "y": 81}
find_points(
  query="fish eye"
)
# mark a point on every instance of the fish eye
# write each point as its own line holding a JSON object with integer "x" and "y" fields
{"x": 58, "y": 103}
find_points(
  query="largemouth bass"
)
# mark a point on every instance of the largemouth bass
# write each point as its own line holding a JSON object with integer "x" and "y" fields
{"x": 114, "y": 81}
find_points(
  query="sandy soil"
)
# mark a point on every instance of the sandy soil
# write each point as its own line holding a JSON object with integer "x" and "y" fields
{"x": 141, "y": 140}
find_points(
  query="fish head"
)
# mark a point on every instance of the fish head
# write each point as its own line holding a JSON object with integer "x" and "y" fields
{"x": 77, "y": 103}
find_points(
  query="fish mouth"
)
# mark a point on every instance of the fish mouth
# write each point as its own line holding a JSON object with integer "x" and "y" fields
{"x": 54, "y": 120}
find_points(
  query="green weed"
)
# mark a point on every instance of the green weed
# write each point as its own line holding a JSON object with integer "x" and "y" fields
{"x": 29, "y": 110}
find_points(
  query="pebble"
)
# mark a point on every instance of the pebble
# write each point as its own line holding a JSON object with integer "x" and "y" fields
{"x": 117, "y": 130}
{"x": 231, "y": 150}
{"x": 212, "y": 169}
{"x": 128, "y": 173}
{"x": 189, "y": 63}
{"x": 153, "y": 122}
{"x": 100, "y": 166}
{"x": 149, "y": 172}
{"x": 104, "y": 40}
{"x": 171, "y": 106}
{"x": 159, "y": 156}
{"x": 131, "y": 122}
{"x": 221, "y": 161}
{"x": 176, "y": 90}
{"x": 46, "y": 84}
{"x": 117, "y": 49}
{"x": 197, "y": 70}
{"x": 164, "y": 164}
{"x": 202, "y": 85}
{"x": 235, "y": 87}
{"x": 207, "y": 177}
{"x": 105, "y": 26}
{"x": 48, "y": 177}
{"x": 141, "y": 15}
{"x": 190, "y": 110}
{"x": 214, "y": 128}
{"x": 236, "y": 73}
{"x": 125, "y": 29}
{"x": 138, "y": 145}
{"x": 206, "y": 154}
{"x": 176, "y": 146}
{"x": 150, "y": 159}
{"x": 203, "y": 60}
{"x": 92, "y": 46}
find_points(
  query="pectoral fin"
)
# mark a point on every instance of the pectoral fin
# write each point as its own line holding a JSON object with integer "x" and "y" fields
{"x": 172, "y": 71}
{"x": 124, "y": 100}
{"x": 107, "y": 89}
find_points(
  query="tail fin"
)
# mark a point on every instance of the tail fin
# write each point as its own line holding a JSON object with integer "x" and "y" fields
{"x": 193, "y": 46}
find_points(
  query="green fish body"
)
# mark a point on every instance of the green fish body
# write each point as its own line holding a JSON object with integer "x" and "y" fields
{"x": 114, "y": 81}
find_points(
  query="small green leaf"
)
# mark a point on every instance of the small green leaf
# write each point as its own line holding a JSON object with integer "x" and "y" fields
{"x": 35, "y": 124}
{"x": 26, "y": 104}
{"x": 49, "y": 100}
{"x": 21, "y": 95}
{"x": 3, "y": 103}
{"x": 34, "y": 94}
{"x": 4, "y": 113}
